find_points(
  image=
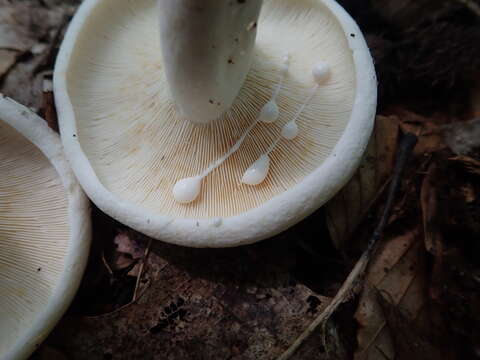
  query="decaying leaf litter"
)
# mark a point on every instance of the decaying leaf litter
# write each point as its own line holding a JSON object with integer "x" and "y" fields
{"x": 419, "y": 297}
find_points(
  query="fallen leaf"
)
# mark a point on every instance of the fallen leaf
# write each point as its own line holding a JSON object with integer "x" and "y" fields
{"x": 428, "y": 130}
{"x": 432, "y": 228}
{"x": 469, "y": 164}
{"x": 348, "y": 208}
{"x": 15, "y": 31}
{"x": 408, "y": 340}
{"x": 398, "y": 273}
{"x": 451, "y": 210}
{"x": 463, "y": 137}
{"x": 374, "y": 338}
{"x": 7, "y": 60}
{"x": 25, "y": 28}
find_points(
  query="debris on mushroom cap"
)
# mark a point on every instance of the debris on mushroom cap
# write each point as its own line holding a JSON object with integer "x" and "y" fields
{"x": 133, "y": 147}
{"x": 44, "y": 231}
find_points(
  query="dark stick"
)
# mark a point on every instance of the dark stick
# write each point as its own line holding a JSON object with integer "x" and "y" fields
{"x": 347, "y": 290}
{"x": 405, "y": 149}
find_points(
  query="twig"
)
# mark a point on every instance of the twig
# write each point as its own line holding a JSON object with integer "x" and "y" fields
{"x": 105, "y": 263}
{"x": 356, "y": 275}
{"x": 140, "y": 272}
{"x": 471, "y": 5}
{"x": 385, "y": 356}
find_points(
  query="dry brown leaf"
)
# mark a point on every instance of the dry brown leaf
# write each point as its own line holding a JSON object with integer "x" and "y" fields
{"x": 398, "y": 273}
{"x": 463, "y": 137}
{"x": 428, "y": 130}
{"x": 409, "y": 341}
{"x": 450, "y": 208}
{"x": 14, "y": 29}
{"x": 7, "y": 60}
{"x": 25, "y": 28}
{"x": 346, "y": 210}
{"x": 470, "y": 164}
{"x": 428, "y": 200}
{"x": 21, "y": 28}
{"x": 431, "y": 229}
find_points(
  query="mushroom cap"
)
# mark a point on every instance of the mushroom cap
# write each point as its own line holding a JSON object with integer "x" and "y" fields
{"x": 44, "y": 231}
{"x": 128, "y": 146}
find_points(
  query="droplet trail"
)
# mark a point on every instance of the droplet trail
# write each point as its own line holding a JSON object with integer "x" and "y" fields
{"x": 187, "y": 190}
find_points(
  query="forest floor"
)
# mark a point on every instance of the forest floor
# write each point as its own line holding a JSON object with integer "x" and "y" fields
{"x": 415, "y": 295}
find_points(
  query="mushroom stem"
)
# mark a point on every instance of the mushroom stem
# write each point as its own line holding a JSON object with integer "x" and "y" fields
{"x": 207, "y": 48}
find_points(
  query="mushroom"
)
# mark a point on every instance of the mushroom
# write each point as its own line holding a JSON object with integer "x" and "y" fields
{"x": 293, "y": 136}
{"x": 44, "y": 231}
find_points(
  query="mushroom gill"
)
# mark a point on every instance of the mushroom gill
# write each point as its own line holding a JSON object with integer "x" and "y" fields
{"x": 138, "y": 146}
{"x": 44, "y": 231}
{"x": 34, "y": 234}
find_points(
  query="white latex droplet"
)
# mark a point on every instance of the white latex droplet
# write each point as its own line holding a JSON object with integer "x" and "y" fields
{"x": 321, "y": 72}
{"x": 187, "y": 190}
{"x": 285, "y": 65}
{"x": 269, "y": 113}
{"x": 257, "y": 172}
{"x": 290, "y": 130}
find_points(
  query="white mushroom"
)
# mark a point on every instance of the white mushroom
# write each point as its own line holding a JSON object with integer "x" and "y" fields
{"x": 130, "y": 145}
{"x": 44, "y": 231}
